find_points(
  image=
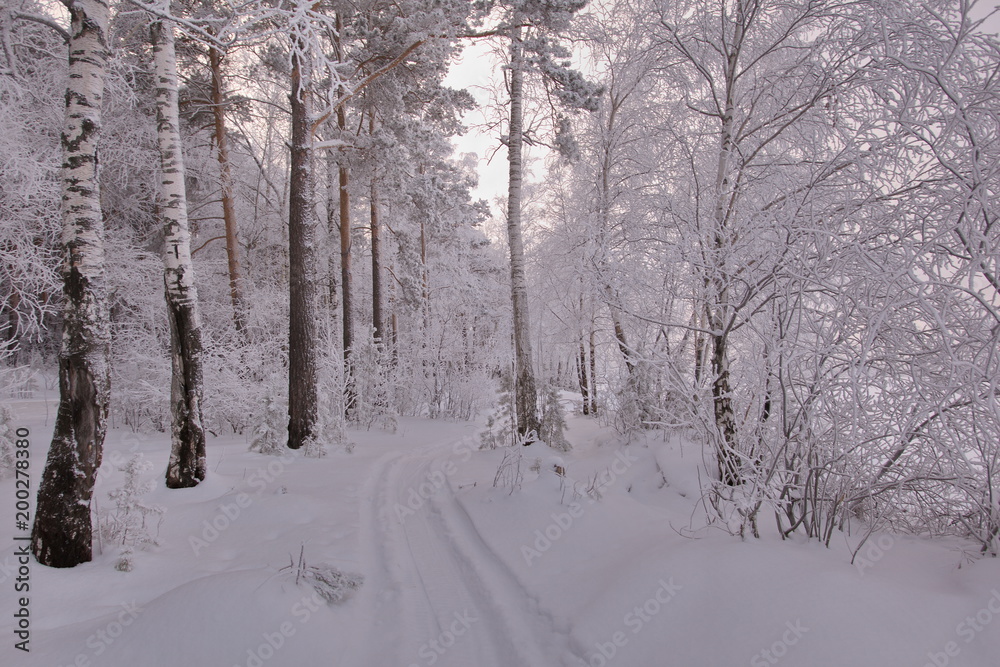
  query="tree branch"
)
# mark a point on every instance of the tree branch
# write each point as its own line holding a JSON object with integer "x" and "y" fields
{"x": 43, "y": 20}
{"x": 395, "y": 62}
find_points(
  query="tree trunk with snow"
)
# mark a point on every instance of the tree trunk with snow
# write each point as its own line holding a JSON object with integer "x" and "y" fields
{"x": 718, "y": 279}
{"x": 377, "y": 324}
{"x": 236, "y": 291}
{"x": 62, "y": 531}
{"x": 186, "y": 467}
{"x": 593, "y": 370}
{"x": 525, "y": 394}
{"x": 303, "y": 404}
{"x": 581, "y": 371}
{"x": 346, "y": 285}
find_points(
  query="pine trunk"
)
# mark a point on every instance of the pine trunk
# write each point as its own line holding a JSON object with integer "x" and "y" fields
{"x": 236, "y": 293}
{"x": 344, "y": 225}
{"x": 333, "y": 232}
{"x": 62, "y": 531}
{"x": 303, "y": 405}
{"x": 425, "y": 278}
{"x": 346, "y": 285}
{"x": 376, "y": 250}
{"x": 186, "y": 467}
{"x": 525, "y": 394}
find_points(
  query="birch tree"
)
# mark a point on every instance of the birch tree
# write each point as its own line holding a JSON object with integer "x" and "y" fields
{"x": 757, "y": 79}
{"x": 187, "y": 433}
{"x": 530, "y": 27}
{"x": 62, "y": 531}
{"x": 525, "y": 393}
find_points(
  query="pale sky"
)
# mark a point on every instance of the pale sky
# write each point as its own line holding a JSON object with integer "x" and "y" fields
{"x": 473, "y": 70}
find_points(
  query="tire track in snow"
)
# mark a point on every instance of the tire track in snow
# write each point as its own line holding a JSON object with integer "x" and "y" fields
{"x": 522, "y": 615}
{"x": 436, "y": 594}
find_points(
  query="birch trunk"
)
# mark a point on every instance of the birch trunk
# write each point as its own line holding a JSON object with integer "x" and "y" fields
{"x": 593, "y": 370}
{"x": 303, "y": 405}
{"x": 718, "y": 278}
{"x": 525, "y": 395}
{"x": 186, "y": 467}
{"x": 582, "y": 375}
{"x": 62, "y": 531}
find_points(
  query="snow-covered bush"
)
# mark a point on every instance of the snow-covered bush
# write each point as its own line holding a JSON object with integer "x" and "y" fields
{"x": 140, "y": 342}
{"x": 373, "y": 385}
{"x": 7, "y": 438}
{"x": 130, "y": 521}
{"x": 271, "y": 434}
{"x": 552, "y": 429}
{"x": 500, "y": 430}
{"x": 328, "y": 581}
{"x": 509, "y": 473}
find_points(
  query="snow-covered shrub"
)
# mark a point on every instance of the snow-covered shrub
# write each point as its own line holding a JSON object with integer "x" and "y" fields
{"x": 140, "y": 341}
{"x": 510, "y": 472}
{"x": 7, "y": 438}
{"x": 314, "y": 448}
{"x": 552, "y": 428}
{"x": 328, "y": 581}
{"x": 372, "y": 385}
{"x": 21, "y": 381}
{"x": 332, "y": 426}
{"x": 271, "y": 434}
{"x": 238, "y": 374}
{"x": 130, "y": 521}
{"x": 500, "y": 430}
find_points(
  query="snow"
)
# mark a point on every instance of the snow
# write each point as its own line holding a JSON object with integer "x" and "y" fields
{"x": 613, "y": 563}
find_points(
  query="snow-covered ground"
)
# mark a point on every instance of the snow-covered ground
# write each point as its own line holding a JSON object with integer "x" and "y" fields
{"x": 608, "y": 564}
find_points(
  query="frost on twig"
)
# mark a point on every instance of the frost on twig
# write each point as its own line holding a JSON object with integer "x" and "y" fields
{"x": 130, "y": 521}
{"x": 328, "y": 581}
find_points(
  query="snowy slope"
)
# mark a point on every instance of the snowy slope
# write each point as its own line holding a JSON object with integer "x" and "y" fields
{"x": 608, "y": 564}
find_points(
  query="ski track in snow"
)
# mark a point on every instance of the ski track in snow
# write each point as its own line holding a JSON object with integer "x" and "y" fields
{"x": 435, "y": 593}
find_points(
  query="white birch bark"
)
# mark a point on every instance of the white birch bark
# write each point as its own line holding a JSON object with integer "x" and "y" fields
{"x": 187, "y": 434}
{"x": 525, "y": 394}
{"x": 62, "y": 531}
{"x": 719, "y": 311}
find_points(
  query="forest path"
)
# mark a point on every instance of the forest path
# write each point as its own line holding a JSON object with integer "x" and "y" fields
{"x": 435, "y": 594}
